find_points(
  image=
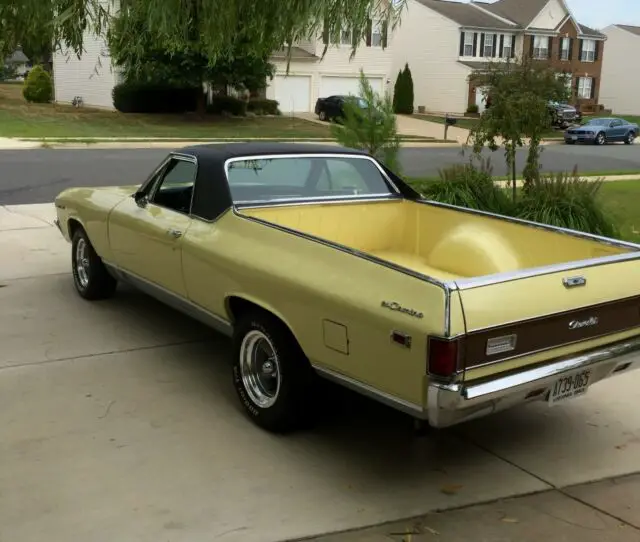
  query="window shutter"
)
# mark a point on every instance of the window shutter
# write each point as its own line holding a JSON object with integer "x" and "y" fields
{"x": 570, "y": 48}
{"x": 597, "y": 51}
{"x": 549, "y": 45}
{"x": 577, "y": 85}
{"x": 475, "y": 44}
{"x": 501, "y": 45}
{"x": 513, "y": 46}
{"x": 369, "y": 30}
{"x": 593, "y": 87}
{"x": 560, "y": 44}
{"x": 385, "y": 34}
{"x": 495, "y": 44}
{"x": 481, "y": 45}
{"x": 580, "y": 49}
{"x": 531, "y": 44}
{"x": 462, "y": 34}
{"x": 325, "y": 33}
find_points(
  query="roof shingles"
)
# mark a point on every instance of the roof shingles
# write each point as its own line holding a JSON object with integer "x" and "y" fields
{"x": 464, "y": 14}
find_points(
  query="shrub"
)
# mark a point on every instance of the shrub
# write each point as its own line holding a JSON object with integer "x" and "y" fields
{"x": 568, "y": 201}
{"x": 473, "y": 109}
{"x": 38, "y": 87}
{"x": 369, "y": 124}
{"x": 403, "y": 92}
{"x": 465, "y": 185}
{"x": 227, "y": 104}
{"x": 153, "y": 98}
{"x": 261, "y": 106}
{"x": 7, "y": 72}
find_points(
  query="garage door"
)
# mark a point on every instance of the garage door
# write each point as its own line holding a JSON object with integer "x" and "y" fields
{"x": 293, "y": 92}
{"x": 330, "y": 86}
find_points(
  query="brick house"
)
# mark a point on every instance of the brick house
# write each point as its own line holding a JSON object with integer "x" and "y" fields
{"x": 445, "y": 41}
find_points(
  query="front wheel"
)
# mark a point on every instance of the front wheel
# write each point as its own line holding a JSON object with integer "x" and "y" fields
{"x": 322, "y": 116}
{"x": 271, "y": 374}
{"x": 600, "y": 139}
{"x": 629, "y": 139}
{"x": 90, "y": 276}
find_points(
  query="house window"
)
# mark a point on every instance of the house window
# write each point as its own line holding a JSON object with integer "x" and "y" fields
{"x": 376, "y": 34}
{"x": 346, "y": 37}
{"x": 488, "y": 45}
{"x": 584, "y": 87}
{"x": 565, "y": 44}
{"x": 506, "y": 49}
{"x": 540, "y": 47}
{"x": 588, "y": 51}
{"x": 468, "y": 44}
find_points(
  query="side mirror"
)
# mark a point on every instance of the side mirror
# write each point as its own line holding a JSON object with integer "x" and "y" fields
{"x": 141, "y": 199}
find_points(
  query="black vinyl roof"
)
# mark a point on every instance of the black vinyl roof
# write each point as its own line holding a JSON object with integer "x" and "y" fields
{"x": 224, "y": 151}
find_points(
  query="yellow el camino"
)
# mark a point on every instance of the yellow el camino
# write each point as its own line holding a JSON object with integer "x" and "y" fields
{"x": 319, "y": 261}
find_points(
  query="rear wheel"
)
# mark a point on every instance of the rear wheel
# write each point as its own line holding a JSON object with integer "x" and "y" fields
{"x": 271, "y": 374}
{"x": 90, "y": 276}
{"x": 600, "y": 139}
{"x": 629, "y": 139}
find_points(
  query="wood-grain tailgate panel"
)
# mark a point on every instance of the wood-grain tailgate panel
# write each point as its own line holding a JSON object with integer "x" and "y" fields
{"x": 549, "y": 332}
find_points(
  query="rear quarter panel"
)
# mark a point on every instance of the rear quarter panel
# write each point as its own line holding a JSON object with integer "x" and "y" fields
{"x": 318, "y": 291}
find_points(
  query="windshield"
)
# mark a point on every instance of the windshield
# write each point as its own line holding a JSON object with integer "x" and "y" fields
{"x": 275, "y": 178}
{"x": 598, "y": 122}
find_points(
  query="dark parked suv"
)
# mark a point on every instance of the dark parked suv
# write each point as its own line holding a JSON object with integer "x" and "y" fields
{"x": 332, "y": 107}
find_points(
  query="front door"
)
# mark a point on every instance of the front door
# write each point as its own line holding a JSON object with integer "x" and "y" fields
{"x": 146, "y": 232}
{"x": 481, "y": 98}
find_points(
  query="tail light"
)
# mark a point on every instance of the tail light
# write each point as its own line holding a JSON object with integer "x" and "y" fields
{"x": 443, "y": 356}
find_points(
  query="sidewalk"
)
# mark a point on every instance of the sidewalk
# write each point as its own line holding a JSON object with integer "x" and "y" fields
{"x": 607, "y": 511}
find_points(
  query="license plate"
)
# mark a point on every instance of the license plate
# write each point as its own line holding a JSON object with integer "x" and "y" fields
{"x": 569, "y": 387}
{"x": 575, "y": 138}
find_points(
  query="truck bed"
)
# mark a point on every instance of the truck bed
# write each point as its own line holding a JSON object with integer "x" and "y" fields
{"x": 436, "y": 241}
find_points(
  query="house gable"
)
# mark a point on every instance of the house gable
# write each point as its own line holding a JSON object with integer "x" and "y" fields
{"x": 551, "y": 15}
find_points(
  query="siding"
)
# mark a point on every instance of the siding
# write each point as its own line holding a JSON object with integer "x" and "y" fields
{"x": 430, "y": 43}
{"x": 620, "y": 85}
{"x": 374, "y": 61}
{"x": 92, "y": 76}
{"x": 550, "y": 17}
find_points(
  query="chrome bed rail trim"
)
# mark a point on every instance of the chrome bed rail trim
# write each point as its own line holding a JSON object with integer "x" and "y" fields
{"x": 450, "y": 404}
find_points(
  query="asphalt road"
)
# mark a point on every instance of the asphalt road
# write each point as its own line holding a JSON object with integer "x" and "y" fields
{"x": 36, "y": 176}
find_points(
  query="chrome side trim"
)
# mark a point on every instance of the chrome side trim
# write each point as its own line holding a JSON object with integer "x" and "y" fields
{"x": 297, "y": 202}
{"x": 537, "y": 225}
{"x": 498, "y": 278}
{"x": 451, "y": 404}
{"x": 371, "y": 392}
{"x": 177, "y": 302}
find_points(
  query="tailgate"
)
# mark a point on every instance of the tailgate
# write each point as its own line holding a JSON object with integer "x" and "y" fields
{"x": 537, "y": 317}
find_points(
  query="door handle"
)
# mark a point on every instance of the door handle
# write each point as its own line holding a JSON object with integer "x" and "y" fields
{"x": 175, "y": 233}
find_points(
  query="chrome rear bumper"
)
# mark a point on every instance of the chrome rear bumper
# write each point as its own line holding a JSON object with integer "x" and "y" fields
{"x": 451, "y": 404}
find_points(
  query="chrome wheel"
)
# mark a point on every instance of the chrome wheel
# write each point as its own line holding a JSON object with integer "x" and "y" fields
{"x": 600, "y": 139}
{"x": 260, "y": 369}
{"x": 82, "y": 263}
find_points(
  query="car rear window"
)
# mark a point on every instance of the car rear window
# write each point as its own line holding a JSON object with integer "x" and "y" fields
{"x": 263, "y": 180}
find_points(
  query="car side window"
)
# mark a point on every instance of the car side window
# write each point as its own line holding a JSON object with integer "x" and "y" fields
{"x": 175, "y": 187}
{"x": 616, "y": 123}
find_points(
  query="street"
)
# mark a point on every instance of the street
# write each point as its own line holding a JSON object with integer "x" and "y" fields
{"x": 36, "y": 176}
{"x": 119, "y": 422}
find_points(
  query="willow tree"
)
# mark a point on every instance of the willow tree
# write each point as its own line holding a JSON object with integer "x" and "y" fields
{"x": 266, "y": 24}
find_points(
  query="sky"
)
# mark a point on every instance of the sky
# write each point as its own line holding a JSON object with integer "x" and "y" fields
{"x": 602, "y": 13}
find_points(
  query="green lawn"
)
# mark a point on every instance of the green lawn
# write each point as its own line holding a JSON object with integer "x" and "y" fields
{"x": 622, "y": 199}
{"x": 21, "y": 119}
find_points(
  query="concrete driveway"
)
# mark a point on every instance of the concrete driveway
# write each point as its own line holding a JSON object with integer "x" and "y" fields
{"x": 119, "y": 422}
